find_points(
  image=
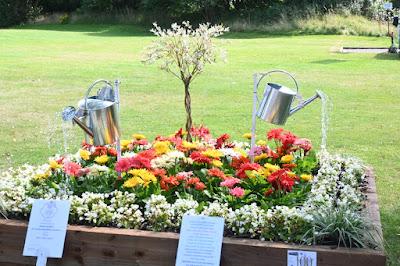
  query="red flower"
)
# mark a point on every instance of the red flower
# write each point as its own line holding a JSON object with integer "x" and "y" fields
{"x": 167, "y": 183}
{"x": 140, "y": 162}
{"x": 112, "y": 152}
{"x": 123, "y": 165}
{"x": 199, "y": 186}
{"x": 221, "y": 140}
{"x": 192, "y": 181}
{"x": 274, "y": 133}
{"x": 247, "y": 167}
{"x": 281, "y": 180}
{"x": 159, "y": 172}
{"x": 179, "y": 133}
{"x": 268, "y": 192}
{"x": 100, "y": 150}
{"x": 237, "y": 162}
{"x": 86, "y": 145}
{"x": 197, "y": 157}
{"x": 217, "y": 173}
{"x": 141, "y": 142}
{"x": 200, "y": 132}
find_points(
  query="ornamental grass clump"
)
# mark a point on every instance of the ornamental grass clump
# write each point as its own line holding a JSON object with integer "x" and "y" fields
{"x": 184, "y": 52}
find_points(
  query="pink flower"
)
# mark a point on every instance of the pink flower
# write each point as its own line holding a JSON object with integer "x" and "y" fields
{"x": 230, "y": 182}
{"x": 73, "y": 169}
{"x": 123, "y": 165}
{"x": 238, "y": 192}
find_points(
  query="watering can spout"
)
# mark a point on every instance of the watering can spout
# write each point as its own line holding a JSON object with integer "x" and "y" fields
{"x": 69, "y": 113}
{"x": 305, "y": 103}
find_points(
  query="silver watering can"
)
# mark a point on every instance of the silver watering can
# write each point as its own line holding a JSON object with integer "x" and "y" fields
{"x": 275, "y": 107}
{"x": 98, "y": 115}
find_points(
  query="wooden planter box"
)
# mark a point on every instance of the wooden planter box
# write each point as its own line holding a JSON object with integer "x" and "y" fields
{"x": 111, "y": 246}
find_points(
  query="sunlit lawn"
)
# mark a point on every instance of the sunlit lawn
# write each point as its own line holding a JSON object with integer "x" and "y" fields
{"x": 44, "y": 68}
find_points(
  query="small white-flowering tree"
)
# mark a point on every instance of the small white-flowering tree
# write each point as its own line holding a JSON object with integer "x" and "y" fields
{"x": 184, "y": 52}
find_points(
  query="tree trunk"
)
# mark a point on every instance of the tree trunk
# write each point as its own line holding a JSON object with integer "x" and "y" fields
{"x": 188, "y": 112}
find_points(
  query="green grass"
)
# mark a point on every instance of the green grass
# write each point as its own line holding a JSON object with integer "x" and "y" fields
{"x": 44, "y": 68}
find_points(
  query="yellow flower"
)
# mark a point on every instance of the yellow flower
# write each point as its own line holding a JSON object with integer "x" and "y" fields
{"x": 271, "y": 167}
{"x": 247, "y": 135}
{"x": 287, "y": 158}
{"x": 252, "y": 174}
{"x": 54, "y": 165}
{"x": 124, "y": 143}
{"x": 211, "y": 153}
{"x": 260, "y": 157}
{"x": 264, "y": 172}
{"x": 217, "y": 163}
{"x": 85, "y": 155}
{"x": 261, "y": 142}
{"x": 291, "y": 174}
{"x": 189, "y": 145}
{"x": 307, "y": 178}
{"x": 133, "y": 182}
{"x": 101, "y": 159}
{"x": 138, "y": 136}
{"x": 42, "y": 175}
{"x": 144, "y": 175}
{"x": 161, "y": 147}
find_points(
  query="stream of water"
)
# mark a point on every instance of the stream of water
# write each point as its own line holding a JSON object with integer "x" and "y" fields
{"x": 326, "y": 106}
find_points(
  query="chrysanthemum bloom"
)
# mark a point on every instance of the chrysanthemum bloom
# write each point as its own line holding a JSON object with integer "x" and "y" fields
{"x": 306, "y": 177}
{"x": 103, "y": 159}
{"x": 84, "y": 154}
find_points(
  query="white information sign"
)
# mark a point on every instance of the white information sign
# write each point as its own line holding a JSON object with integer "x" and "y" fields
{"x": 200, "y": 241}
{"x": 388, "y": 6}
{"x": 302, "y": 258}
{"x": 46, "y": 230}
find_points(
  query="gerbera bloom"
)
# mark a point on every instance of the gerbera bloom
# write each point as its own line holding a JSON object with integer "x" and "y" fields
{"x": 161, "y": 147}
{"x": 212, "y": 153}
{"x": 238, "y": 192}
{"x": 138, "y": 136}
{"x": 287, "y": 158}
{"x": 84, "y": 154}
{"x": 103, "y": 159}
{"x": 198, "y": 157}
{"x": 221, "y": 140}
{"x": 274, "y": 133}
{"x": 247, "y": 135}
{"x": 247, "y": 167}
{"x": 216, "y": 172}
{"x": 230, "y": 182}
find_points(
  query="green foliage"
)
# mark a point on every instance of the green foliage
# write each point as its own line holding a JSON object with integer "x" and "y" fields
{"x": 343, "y": 226}
{"x": 59, "y": 5}
{"x": 14, "y": 12}
{"x": 64, "y": 19}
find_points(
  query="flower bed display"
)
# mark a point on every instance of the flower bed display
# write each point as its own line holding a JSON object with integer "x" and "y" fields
{"x": 287, "y": 194}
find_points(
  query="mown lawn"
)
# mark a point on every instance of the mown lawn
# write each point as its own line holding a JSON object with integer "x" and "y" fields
{"x": 44, "y": 68}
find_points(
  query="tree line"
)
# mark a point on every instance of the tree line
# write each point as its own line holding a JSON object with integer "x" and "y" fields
{"x": 13, "y": 12}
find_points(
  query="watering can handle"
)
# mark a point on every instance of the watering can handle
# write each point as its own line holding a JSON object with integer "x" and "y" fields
{"x": 263, "y": 75}
{"x": 91, "y": 87}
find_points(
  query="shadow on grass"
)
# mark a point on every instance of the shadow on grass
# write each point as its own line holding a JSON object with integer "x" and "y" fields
{"x": 123, "y": 30}
{"x": 387, "y": 56}
{"x": 329, "y": 61}
{"x": 100, "y": 30}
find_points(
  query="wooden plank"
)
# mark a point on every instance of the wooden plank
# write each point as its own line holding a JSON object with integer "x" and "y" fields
{"x": 112, "y": 246}
{"x": 105, "y": 246}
